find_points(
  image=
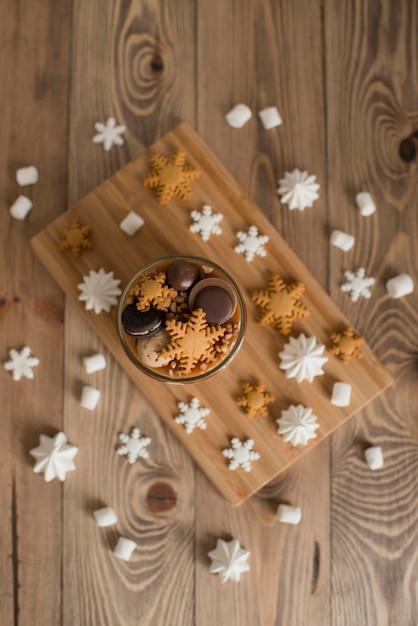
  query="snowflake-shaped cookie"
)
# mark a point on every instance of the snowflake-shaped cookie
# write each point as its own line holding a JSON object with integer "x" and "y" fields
{"x": 109, "y": 134}
{"x": 151, "y": 291}
{"x": 99, "y": 291}
{"x": 251, "y": 243}
{"x": 297, "y": 425}
{"x": 206, "y": 223}
{"x": 302, "y": 358}
{"x": 133, "y": 445}
{"x": 229, "y": 560}
{"x": 21, "y": 363}
{"x": 241, "y": 454}
{"x": 192, "y": 341}
{"x": 255, "y": 399}
{"x": 76, "y": 238}
{"x": 357, "y": 284}
{"x": 54, "y": 457}
{"x": 298, "y": 189}
{"x": 192, "y": 415}
{"x": 279, "y": 304}
{"x": 171, "y": 177}
{"x": 346, "y": 345}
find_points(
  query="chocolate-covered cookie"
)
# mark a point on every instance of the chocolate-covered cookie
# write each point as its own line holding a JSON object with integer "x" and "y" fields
{"x": 215, "y": 297}
{"x": 182, "y": 275}
{"x": 217, "y": 304}
{"x": 140, "y": 323}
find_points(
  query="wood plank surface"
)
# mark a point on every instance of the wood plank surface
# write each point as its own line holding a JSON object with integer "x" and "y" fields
{"x": 34, "y": 68}
{"x": 372, "y": 107}
{"x": 137, "y": 56}
{"x": 277, "y": 47}
{"x": 343, "y": 75}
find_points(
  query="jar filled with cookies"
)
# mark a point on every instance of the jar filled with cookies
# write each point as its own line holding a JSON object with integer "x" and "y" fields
{"x": 181, "y": 319}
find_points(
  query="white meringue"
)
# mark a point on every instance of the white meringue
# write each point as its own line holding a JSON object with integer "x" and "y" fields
{"x": 54, "y": 457}
{"x": 99, "y": 291}
{"x": 229, "y": 560}
{"x": 297, "y": 425}
{"x": 302, "y": 358}
{"x": 298, "y": 189}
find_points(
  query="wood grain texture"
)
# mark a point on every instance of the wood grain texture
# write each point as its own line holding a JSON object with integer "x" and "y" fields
{"x": 128, "y": 59}
{"x": 34, "y": 70}
{"x": 372, "y": 107}
{"x": 343, "y": 75}
{"x": 271, "y": 54}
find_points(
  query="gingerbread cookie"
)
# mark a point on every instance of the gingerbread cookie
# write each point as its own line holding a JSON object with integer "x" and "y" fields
{"x": 346, "y": 345}
{"x": 192, "y": 342}
{"x": 280, "y": 304}
{"x": 76, "y": 238}
{"x": 152, "y": 291}
{"x": 255, "y": 399}
{"x": 171, "y": 177}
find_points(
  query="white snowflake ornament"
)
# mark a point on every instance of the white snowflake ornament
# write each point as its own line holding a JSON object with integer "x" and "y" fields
{"x": 206, "y": 223}
{"x": 241, "y": 454}
{"x": 357, "y": 284}
{"x": 229, "y": 560}
{"x": 21, "y": 363}
{"x": 54, "y": 457}
{"x": 99, "y": 290}
{"x": 251, "y": 243}
{"x": 134, "y": 445}
{"x": 298, "y": 189}
{"x": 192, "y": 415}
{"x": 302, "y": 358}
{"x": 109, "y": 134}
{"x": 297, "y": 425}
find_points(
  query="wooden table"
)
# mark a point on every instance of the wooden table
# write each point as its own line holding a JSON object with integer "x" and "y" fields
{"x": 343, "y": 76}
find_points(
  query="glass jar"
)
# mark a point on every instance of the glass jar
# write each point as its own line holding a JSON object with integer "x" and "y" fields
{"x": 181, "y": 319}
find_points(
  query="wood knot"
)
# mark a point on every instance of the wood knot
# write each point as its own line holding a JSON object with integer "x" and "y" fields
{"x": 161, "y": 497}
{"x": 316, "y": 567}
{"x": 157, "y": 64}
{"x": 407, "y": 148}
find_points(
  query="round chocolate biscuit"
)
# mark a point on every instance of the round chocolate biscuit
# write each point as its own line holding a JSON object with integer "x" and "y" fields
{"x": 141, "y": 323}
{"x": 181, "y": 275}
{"x": 216, "y": 297}
{"x": 216, "y": 303}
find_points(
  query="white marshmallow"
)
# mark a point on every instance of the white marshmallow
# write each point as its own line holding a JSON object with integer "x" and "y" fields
{"x": 124, "y": 548}
{"x": 341, "y": 394}
{"x": 94, "y": 363}
{"x": 342, "y": 240}
{"x": 289, "y": 514}
{"x": 20, "y": 208}
{"x": 270, "y": 117}
{"x": 131, "y": 223}
{"x": 238, "y": 115}
{"x": 399, "y": 286}
{"x": 365, "y": 203}
{"x": 89, "y": 397}
{"x": 105, "y": 516}
{"x": 27, "y": 175}
{"x": 374, "y": 457}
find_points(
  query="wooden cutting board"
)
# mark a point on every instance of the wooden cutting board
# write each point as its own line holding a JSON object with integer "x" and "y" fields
{"x": 166, "y": 232}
